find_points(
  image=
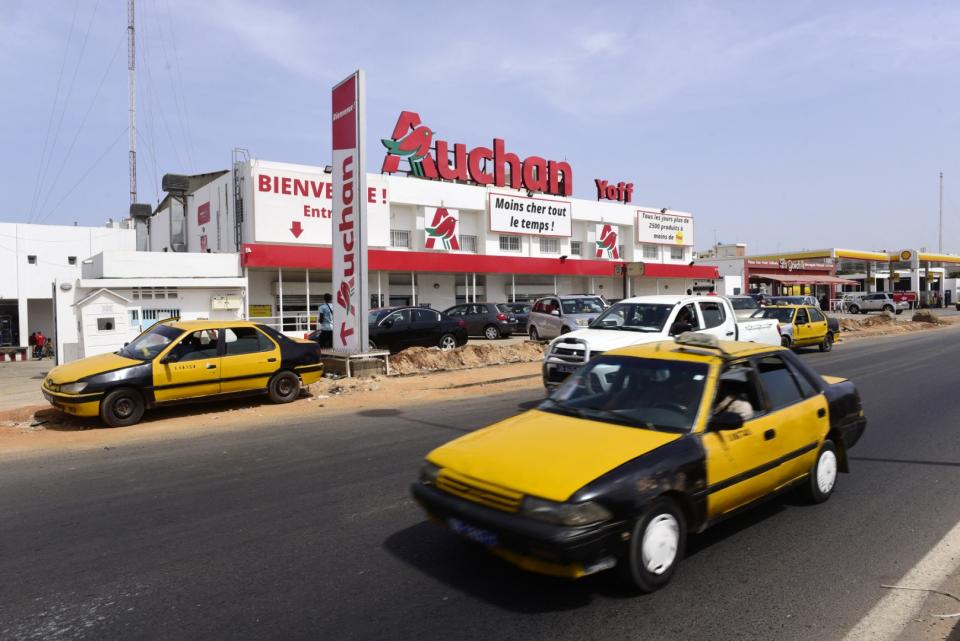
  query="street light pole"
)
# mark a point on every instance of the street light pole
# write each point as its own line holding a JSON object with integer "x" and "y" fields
{"x": 940, "y": 235}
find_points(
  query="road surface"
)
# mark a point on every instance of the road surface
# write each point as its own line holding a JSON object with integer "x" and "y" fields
{"x": 306, "y": 531}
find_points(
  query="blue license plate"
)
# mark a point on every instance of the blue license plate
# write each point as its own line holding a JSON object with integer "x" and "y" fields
{"x": 472, "y": 532}
{"x": 567, "y": 369}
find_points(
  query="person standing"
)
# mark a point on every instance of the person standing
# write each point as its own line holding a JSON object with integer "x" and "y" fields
{"x": 40, "y": 340}
{"x": 325, "y": 321}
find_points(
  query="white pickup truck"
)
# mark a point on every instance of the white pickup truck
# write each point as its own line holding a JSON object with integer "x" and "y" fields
{"x": 647, "y": 319}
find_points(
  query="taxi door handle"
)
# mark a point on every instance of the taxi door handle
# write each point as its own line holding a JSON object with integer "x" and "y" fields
{"x": 769, "y": 435}
{"x": 271, "y": 360}
{"x": 211, "y": 366}
{"x": 821, "y": 413}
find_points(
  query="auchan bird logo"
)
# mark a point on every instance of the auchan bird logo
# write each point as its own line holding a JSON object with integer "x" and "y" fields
{"x": 444, "y": 229}
{"x": 607, "y": 243}
{"x": 414, "y": 146}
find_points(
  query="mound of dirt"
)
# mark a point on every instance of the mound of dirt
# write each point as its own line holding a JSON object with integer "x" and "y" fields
{"x": 926, "y": 316}
{"x": 859, "y": 324}
{"x": 427, "y": 359}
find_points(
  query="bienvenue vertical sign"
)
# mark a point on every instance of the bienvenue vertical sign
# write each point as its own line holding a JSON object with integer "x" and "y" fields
{"x": 351, "y": 299}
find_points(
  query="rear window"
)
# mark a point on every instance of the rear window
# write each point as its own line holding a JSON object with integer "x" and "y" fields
{"x": 582, "y": 305}
{"x": 743, "y": 303}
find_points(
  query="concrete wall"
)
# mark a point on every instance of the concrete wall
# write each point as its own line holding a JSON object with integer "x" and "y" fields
{"x": 133, "y": 264}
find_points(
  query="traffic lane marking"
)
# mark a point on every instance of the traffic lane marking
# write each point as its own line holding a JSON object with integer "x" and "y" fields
{"x": 888, "y": 618}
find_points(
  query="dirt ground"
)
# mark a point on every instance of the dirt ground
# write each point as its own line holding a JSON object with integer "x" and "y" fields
{"x": 884, "y": 324}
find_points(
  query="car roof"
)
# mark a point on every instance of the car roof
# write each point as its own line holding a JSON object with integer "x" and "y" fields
{"x": 786, "y": 306}
{"x": 194, "y": 325}
{"x": 671, "y": 350}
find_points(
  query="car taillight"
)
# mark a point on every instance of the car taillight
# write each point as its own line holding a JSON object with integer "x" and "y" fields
{"x": 461, "y": 323}
{"x": 501, "y": 317}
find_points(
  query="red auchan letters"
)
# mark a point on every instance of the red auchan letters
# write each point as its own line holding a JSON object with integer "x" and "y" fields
{"x": 412, "y": 141}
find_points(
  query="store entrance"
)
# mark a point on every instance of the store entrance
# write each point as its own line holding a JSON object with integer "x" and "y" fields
{"x": 9, "y": 323}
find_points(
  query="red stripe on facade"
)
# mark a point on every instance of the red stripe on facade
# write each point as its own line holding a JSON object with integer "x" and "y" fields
{"x": 299, "y": 257}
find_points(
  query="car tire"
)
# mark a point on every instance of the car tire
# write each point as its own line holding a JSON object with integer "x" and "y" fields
{"x": 822, "y": 480}
{"x": 656, "y": 546}
{"x": 534, "y": 334}
{"x": 827, "y": 343}
{"x": 122, "y": 407}
{"x": 854, "y": 309}
{"x": 447, "y": 342}
{"x": 888, "y": 308}
{"x": 898, "y": 312}
{"x": 785, "y": 341}
{"x": 491, "y": 332}
{"x": 284, "y": 387}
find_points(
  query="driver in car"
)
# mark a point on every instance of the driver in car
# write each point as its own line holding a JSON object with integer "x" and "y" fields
{"x": 683, "y": 323}
{"x": 732, "y": 395}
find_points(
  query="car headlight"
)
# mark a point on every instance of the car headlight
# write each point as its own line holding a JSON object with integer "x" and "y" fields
{"x": 572, "y": 514}
{"x": 73, "y": 388}
{"x": 582, "y": 322}
{"x": 429, "y": 473}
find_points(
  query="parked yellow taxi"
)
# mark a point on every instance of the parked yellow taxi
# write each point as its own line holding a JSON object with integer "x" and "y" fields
{"x": 176, "y": 361}
{"x": 639, "y": 447}
{"x": 803, "y": 326}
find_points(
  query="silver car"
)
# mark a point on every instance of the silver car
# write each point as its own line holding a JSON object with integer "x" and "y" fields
{"x": 555, "y": 315}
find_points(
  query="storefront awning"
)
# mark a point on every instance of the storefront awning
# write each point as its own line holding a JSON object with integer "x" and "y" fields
{"x": 801, "y": 279}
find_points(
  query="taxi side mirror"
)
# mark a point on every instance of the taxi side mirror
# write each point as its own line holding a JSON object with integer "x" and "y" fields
{"x": 726, "y": 421}
{"x": 167, "y": 359}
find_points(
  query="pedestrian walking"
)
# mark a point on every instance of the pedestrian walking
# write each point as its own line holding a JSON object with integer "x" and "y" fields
{"x": 325, "y": 321}
{"x": 38, "y": 349}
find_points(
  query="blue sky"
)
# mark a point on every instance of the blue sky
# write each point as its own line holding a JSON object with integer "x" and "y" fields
{"x": 782, "y": 125}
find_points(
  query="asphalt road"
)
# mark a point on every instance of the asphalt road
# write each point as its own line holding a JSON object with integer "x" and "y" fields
{"x": 307, "y": 532}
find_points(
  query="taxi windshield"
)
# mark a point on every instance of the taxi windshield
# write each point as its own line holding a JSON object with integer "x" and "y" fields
{"x": 149, "y": 344}
{"x": 646, "y": 393}
{"x": 782, "y": 314}
{"x": 636, "y": 317}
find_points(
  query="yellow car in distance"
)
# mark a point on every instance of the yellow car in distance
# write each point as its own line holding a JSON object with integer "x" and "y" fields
{"x": 177, "y": 361}
{"x": 803, "y": 326}
{"x": 639, "y": 447}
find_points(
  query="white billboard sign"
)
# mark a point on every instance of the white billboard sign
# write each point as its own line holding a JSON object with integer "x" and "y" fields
{"x": 664, "y": 228}
{"x": 296, "y": 207}
{"x": 349, "y": 229}
{"x": 531, "y": 216}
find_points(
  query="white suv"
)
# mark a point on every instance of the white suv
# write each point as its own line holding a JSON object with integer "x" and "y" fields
{"x": 878, "y": 302}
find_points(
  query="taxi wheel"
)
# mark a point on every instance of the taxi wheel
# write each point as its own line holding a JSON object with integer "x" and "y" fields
{"x": 655, "y": 548}
{"x": 284, "y": 387}
{"x": 823, "y": 475}
{"x": 785, "y": 341}
{"x": 827, "y": 343}
{"x": 122, "y": 407}
{"x": 491, "y": 332}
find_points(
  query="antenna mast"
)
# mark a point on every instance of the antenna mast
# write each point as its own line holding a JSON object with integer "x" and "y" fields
{"x": 132, "y": 98}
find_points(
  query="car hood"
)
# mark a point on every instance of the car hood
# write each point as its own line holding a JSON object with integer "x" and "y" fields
{"x": 603, "y": 340}
{"x": 74, "y": 371}
{"x": 546, "y": 455}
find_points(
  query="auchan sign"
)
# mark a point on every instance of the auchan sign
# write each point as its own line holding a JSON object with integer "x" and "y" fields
{"x": 412, "y": 141}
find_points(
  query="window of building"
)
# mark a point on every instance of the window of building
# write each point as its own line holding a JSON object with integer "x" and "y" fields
{"x": 71, "y": 260}
{"x": 650, "y": 251}
{"x": 575, "y": 248}
{"x": 623, "y": 250}
{"x": 676, "y": 253}
{"x": 468, "y": 243}
{"x": 400, "y": 238}
{"x": 32, "y": 259}
{"x": 105, "y": 324}
{"x": 549, "y": 245}
{"x": 160, "y": 314}
{"x": 510, "y": 243}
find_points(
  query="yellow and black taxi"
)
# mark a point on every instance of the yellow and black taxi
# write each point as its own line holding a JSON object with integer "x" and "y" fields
{"x": 639, "y": 447}
{"x": 175, "y": 361}
{"x": 803, "y": 326}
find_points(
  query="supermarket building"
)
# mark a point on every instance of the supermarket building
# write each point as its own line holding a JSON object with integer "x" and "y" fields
{"x": 431, "y": 241}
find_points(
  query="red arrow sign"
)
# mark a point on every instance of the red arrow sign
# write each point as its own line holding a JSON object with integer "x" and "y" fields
{"x": 296, "y": 229}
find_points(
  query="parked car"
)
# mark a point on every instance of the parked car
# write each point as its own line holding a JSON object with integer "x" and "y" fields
{"x": 397, "y": 328}
{"x": 647, "y": 319}
{"x": 640, "y": 448}
{"x": 793, "y": 300}
{"x": 521, "y": 311}
{"x": 485, "y": 319}
{"x": 803, "y": 325}
{"x": 552, "y": 316}
{"x": 173, "y": 361}
{"x": 743, "y": 306}
{"x": 876, "y": 302}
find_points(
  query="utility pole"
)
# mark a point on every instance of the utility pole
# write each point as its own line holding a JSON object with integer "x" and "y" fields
{"x": 940, "y": 235}
{"x": 132, "y": 98}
